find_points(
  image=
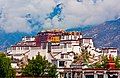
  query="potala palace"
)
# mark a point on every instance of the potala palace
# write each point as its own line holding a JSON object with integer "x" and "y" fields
{"x": 60, "y": 47}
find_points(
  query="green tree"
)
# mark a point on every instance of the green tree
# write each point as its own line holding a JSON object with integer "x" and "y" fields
{"x": 102, "y": 62}
{"x": 39, "y": 67}
{"x": 117, "y": 61}
{"x": 84, "y": 57}
{"x": 6, "y": 70}
{"x": 52, "y": 72}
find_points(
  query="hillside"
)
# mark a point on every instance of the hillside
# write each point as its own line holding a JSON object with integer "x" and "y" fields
{"x": 8, "y": 39}
{"x": 106, "y": 34}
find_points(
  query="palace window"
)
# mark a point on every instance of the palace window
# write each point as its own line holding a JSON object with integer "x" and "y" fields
{"x": 69, "y": 45}
{"x": 66, "y": 56}
{"x": 65, "y": 45}
{"x": 62, "y": 37}
{"x": 26, "y": 48}
{"x": 62, "y": 55}
{"x": 21, "y": 48}
{"x": 43, "y": 45}
{"x": 113, "y": 51}
{"x": 18, "y": 48}
{"x": 87, "y": 41}
{"x": 27, "y": 38}
{"x": 61, "y": 63}
{"x": 67, "y": 37}
{"x": 100, "y": 76}
{"x": 13, "y": 48}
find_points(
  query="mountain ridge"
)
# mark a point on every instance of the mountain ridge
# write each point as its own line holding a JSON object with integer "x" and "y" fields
{"x": 106, "y": 34}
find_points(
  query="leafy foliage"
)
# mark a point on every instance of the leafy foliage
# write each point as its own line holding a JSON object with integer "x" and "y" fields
{"x": 84, "y": 56}
{"x": 6, "y": 70}
{"x": 102, "y": 62}
{"x": 52, "y": 72}
{"x": 117, "y": 61}
{"x": 39, "y": 67}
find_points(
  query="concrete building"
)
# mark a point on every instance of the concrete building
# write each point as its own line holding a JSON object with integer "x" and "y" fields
{"x": 110, "y": 51}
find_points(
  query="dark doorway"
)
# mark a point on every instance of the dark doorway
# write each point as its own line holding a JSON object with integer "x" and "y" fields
{"x": 100, "y": 76}
{"x": 112, "y": 76}
{"x": 89, "y": 76}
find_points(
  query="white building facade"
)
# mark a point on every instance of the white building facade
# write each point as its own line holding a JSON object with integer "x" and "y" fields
{"x": 57, "y": 46}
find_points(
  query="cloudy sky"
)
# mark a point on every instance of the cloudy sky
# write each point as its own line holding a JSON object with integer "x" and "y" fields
{"x": 75, "y": 13}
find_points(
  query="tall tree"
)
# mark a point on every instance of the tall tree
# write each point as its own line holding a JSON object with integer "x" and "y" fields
{"x": 38, "y": 66}
{"x": 101, "y": 62}
{"x": 117, "y": 61}
{"x": 6, "y": 70}
{"x": 84, "y": 57}
{"x": 52, "y": 72}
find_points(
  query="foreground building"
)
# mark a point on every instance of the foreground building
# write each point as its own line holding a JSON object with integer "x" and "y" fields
{"x": 110, "y": 51}
{"x": 57, "y": 46}
{"x": 77, "y": 71}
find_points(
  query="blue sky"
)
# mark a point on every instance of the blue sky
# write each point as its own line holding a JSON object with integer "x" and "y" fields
{"x": 74, "y": 13}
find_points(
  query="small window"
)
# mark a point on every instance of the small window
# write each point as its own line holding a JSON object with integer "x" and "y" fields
{"x": 66, "y": 56}
{"x": 27, "y": 38}
{"x": 43, "y": 45}
{"x": 49, "y": 47}
{"x": 61, "y": 46}
{"x": 87, "y": 41}
{"x": 105, "y": 51}
{"x": 69, "y": 45}
{"x": 100, "y": 76}
{"x": 62, "y": 55}
{"x": 61, "y": 63}
{"x": 26, "y": 48}
{"x": 75, "y": 37}
{"x": 14, "y": 48}
{"x": 113, "y": 51}
{"x": 18, "y": 48}
{"x": 65, "y": 45}
{"x": 62, "y": 37}
{"x": 67, "y": 37}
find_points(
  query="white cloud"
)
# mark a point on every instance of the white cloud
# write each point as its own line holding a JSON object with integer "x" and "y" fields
{"x": 92, "y": 13}
{"x": 76, "y": 13}
{"x": 13, "y": 12}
